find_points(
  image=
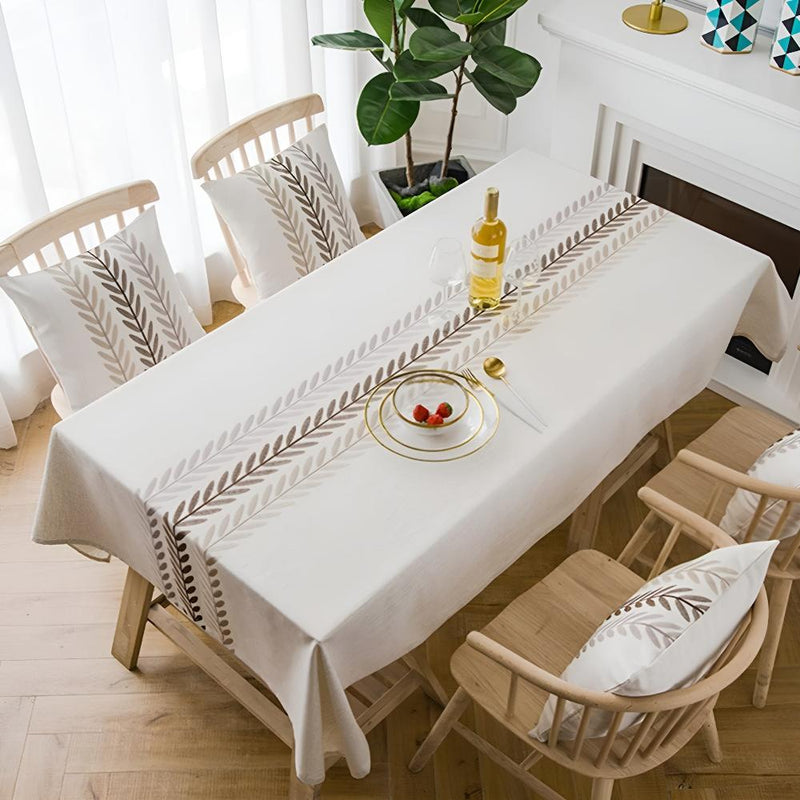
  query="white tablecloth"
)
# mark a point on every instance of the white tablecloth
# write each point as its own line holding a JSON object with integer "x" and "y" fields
{"x": 237, "y": 476}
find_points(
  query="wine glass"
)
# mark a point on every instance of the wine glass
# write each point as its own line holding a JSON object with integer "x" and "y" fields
{"x": 448, "y": 269}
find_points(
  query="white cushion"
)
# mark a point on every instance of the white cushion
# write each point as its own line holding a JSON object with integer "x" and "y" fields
{"x": 779, "y": 464}
{"x": 290, "y": 215}
{"x": 665, "y": 636}
{"x": 106, "y": 315}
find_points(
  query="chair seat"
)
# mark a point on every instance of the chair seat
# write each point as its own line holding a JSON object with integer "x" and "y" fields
{"x": 736, "y": 440}
{"x": 547, "y": 625}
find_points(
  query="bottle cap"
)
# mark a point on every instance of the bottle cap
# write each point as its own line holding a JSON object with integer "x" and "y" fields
{"x": 491, "y": 203}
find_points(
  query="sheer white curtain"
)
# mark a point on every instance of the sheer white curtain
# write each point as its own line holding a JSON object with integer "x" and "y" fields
{"x": 94, "y": 93}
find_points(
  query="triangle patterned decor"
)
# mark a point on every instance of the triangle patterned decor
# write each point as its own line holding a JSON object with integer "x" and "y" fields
{"x": 785, "y": 53}
{"x": 730, "y": 25}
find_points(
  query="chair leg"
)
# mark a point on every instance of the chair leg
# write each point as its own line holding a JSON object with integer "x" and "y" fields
{"x": 136, "y": 598}
{"x": 778, "y": 600}
{"x": 455, "y": 708}
{"x": 711, "y": 736}
{"x": 602, "y": 788}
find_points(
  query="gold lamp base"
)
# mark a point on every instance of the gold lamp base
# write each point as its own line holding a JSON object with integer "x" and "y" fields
{"x": 654, "y": 18}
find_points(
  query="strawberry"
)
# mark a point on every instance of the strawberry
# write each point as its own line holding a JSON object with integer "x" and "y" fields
{"x": 420, "y": 413}
{"x": 435, "y": 419}
{"x": 444, "y": 410}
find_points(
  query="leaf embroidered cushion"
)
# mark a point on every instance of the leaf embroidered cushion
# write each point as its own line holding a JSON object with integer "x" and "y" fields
{"x": 667, "y": 635}
{"x": 779, "y": 464}
{"x": 106, "y": 315}
{"x": 289, "y": 215}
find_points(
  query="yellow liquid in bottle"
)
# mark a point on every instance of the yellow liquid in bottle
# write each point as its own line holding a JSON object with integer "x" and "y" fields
{"x": 487, "y": 257}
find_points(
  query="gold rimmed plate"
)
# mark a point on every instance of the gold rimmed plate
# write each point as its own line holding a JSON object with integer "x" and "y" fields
{"x": 474, "y": 430}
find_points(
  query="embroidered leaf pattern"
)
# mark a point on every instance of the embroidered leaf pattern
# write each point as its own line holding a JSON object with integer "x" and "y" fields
{"x": 228, "y": 483}
{"x": 152, "y": 279}
{"x": 310, "y": 204}
{"x": 668, "y": 603}
{"x": 304, "y": 255}
{"x": 328, "y": 185}
{"x": 97, "y": 319}
{"x": 127, "y": 298}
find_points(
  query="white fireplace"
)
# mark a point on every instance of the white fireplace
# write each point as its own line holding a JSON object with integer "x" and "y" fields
{"x": 730, "y": 125}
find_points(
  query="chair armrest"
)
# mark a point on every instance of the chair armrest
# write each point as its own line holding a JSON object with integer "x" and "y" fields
{"x": 740, "y": 480}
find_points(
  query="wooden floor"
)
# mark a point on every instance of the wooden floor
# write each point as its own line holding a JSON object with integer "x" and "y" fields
{"x": 75, "y": 725}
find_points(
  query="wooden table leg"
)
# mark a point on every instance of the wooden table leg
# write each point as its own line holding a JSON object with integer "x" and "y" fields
{"x": 666, "y": 449}
{"x": 585, "y": 520}
{"x": 299, "y": 790}
{"x": 136, "y": 598}
{"x": 417, "y": 660}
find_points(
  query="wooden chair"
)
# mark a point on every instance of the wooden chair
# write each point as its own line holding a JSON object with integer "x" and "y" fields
{"x": 511, "y": 667}
{"x": 703, "y": 478}
{"x": 72, "y": 230}
{"x": 227, "y": 153}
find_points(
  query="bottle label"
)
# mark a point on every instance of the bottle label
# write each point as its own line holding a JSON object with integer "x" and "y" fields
{"x": 484, "y": 269}
{"x": 486, "y": 250}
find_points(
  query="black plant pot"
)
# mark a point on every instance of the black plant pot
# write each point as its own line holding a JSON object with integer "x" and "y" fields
{"x": 395, "y": 180}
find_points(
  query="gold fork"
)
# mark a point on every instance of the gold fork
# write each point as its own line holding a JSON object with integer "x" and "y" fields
{"x": 473, "y": 379}
{"x": 476, "y": 383}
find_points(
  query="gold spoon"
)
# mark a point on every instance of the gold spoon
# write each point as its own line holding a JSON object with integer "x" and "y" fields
{"x": 495, "y": 368}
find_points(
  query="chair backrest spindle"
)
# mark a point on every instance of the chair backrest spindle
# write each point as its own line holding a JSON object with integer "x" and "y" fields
{"x": 768, "y": 493}
{"x": 57, "y": 230}
{"x": 511, "y": 702}
{"x": 666, "y": 550}
{"x": 583, "y": 726}
{"x": 558, "y": 716}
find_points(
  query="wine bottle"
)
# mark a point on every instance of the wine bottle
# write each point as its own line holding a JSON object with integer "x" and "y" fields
{"x": 488, "y": 255}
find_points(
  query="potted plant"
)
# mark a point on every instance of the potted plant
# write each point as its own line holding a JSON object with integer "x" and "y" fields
{"x": 414, "y": 46}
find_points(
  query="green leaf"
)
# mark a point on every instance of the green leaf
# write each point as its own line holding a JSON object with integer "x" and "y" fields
{"x": 355, "y": 40}
{"x": 437, "y": 44}
{"x": 401, "y": 6}
{"x": 379, "y": 14}
{"x": 407, "y": 69}
{"x": 382, "y": 120}
{"x": 494, "y": 90}
{"x": 508, "y": 64}
{"x": 490, "y": 11}
{"x": 474, "y": 18}
{"x": 491, "y": 33}
{"x": 418, "y": 90}
{"x": 519, "y": 91}
{"x": 451, "y": 9}
{"x": 422, "y": 18}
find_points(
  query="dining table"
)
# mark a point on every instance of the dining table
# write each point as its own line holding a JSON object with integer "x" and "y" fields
{"x": 240, "y": 480}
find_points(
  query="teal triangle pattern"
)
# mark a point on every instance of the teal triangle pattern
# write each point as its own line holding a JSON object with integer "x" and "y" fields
{"x": 785, "y": 53}
{"x": 730, "y": 25}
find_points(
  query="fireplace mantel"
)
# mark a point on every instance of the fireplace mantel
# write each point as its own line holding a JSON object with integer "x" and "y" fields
{"x": 746, "y": 80}
{"x": 727, "y": 123}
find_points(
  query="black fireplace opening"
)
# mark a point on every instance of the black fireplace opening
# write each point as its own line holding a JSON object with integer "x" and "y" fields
{"x": 776, "y": 240}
